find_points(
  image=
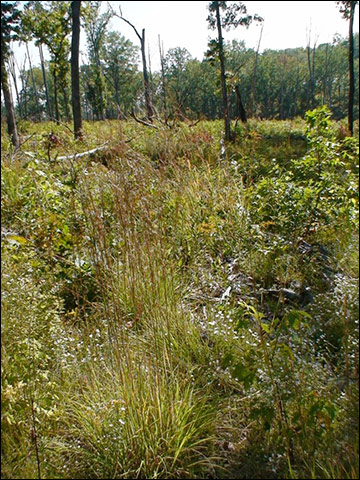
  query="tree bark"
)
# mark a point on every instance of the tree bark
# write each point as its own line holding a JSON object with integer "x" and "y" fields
{"x": 149, "y": 109}
{"x": 34, "y": 84}
{"x": 11, "y": 63}
{"x": 75, "y": 78}
{"x": 351, "y": 70}
{"x": 45, "y": 81}
{"x": 10, "y": 115}
{"x": 24, "y": 77}
{"x": 253, "y": 79}
{"x": 241, "y": 109}
{"x": 57, "y": 114}
{"x": 163, "y": 82}
{"x": 66, "y": 103}
{"x": 222, "y": 75}
{"x": 148, "y": 104}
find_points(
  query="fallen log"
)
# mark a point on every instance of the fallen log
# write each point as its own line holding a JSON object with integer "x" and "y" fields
{"x": 74, "y": 155}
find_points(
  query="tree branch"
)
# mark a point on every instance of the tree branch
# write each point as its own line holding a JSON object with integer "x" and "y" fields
{"x": 127, "y": 21}
{"x": 142, "y": 121}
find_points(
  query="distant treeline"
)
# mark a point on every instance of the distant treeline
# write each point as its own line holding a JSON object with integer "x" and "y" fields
{"x": 276, "y": 84}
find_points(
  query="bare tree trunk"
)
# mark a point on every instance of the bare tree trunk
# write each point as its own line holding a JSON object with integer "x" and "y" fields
{"x": 45, "y": 81}
{"x": 161, "y": 50}
{"x": 149, "y": 109}
{"x": 147, "y": 92}
{"x": 75, "y": 78}
{"x": 240, "y": 106}
{"x": 325, "y": 76}
{"x": 311, "y": 68}
{"x": 351, "y": 70}
{"x": 253, "y": 80}
{"x": 24, "y": 77}
{"x": 313, "y": 75}
{"x": 66, "y": 103}
{"x": 10, "y": 115}
{"x": 34, "y": 84}
{"x": 100, "y": 108}
{"x": 13, "y": 75}
{"x": 310, "y": 88}
{"x": 57, "y": 114}
{"x": 296, "y": 91}
{"x": 222, "y": 75}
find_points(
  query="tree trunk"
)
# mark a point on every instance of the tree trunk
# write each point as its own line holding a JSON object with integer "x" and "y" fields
{"x": 24, "y": 77}
{"x": 10, "y": 115}
{"x": 57, "y": 114}
{"x": 13, "y": 74}
{"x": 253, "y": 79}
{"x": 222, "y": 75}
{"x": 351, "y": 70}
{"x": 163, "y": 83}
{"x": 240, "y": 106}
{"x": 45, "y": 81}
{"x": 34, "y": 84}
{"x": 75, "y": 78}
{"x": 100, "y": 107}
{"x": 149, "y": 109}
{"x": 66, "y": 103}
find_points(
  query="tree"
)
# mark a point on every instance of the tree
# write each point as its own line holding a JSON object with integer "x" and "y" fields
{"x": 32, "y": 92}
{"x": 147, "y": 89}
{"x": 12, "y": 70}
{"x": 95, "y": 26}
{"x": 235, "y": 14}
{"x": 163, "y": 80}
{"x": 75, "y": 80}
{"x": 49, "y": 23}
{"x": 10, "y": 17}
{"x": 119, "y": 58}
{"x": 348, "y": 11}
{"x": 43, "y": 69}
{"x": 175, "y": 64}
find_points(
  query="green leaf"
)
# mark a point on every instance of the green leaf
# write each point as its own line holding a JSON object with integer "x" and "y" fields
{"x": 16, "y": 239}
{"x": 267, "y": 328}
{"x": 295, "y": 318}
{"x": 244, "y": 374}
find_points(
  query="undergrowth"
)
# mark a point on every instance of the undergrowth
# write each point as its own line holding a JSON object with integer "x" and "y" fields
{"x": 174, "y": 309}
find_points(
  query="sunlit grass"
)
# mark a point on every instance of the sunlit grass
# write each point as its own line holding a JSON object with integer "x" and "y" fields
{"x": 154, "y": 321}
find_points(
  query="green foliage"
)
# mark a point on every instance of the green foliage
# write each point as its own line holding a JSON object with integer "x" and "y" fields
{"x": 10, "y": 28}
{"x": 173, "y": 311}
{"x": 315, "y": 190}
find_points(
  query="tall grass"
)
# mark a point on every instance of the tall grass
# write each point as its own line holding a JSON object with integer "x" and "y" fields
{"x": 143, "y": 337}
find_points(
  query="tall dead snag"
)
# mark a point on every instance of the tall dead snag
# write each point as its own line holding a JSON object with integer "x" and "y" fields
{"x": 347, "y": 9}
{"x": 9, "y": 27}
{"x": 163, "y": 82}
{"x": 42, "y": 61}
{"x": 12, "y": 71}
{"x": 311, "y": 68}
{"x": 239, "y": 104}
{"x": 222, "y": 73}
{"x": 147, "y": 90}
{"x": 75, "y": 80}
{"x": 253, "y": 77}
{"x": 351, "y": 69}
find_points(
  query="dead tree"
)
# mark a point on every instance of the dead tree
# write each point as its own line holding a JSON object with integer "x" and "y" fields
{"x": 147, "y": 89}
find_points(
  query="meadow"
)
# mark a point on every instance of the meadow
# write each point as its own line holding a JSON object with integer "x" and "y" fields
{"x": 173, "y": 307}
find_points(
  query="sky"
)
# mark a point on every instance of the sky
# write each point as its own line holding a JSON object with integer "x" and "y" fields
{"x": 183, "y": 24}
